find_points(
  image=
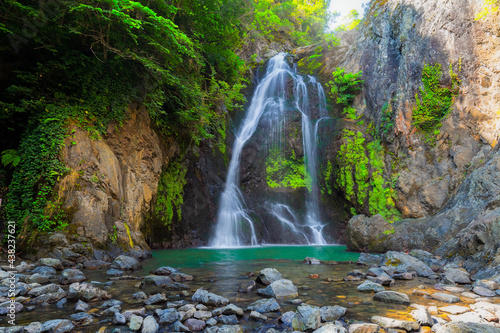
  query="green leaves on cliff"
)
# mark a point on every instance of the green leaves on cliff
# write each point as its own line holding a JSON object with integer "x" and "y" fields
{"x": 286, "y": 172}
{"x": 435, "y": 101}
{"x": 344, "y": 88}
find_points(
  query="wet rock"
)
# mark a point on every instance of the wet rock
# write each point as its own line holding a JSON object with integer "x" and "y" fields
{"x": 460, "y": 327}
{"x": 168, "y": 316}
{"x": 96, "y": 264}
{"x": 453, "y": 289}
{"x": 229, "y": 320}
{"x": 139, "y": 295}
{"x": 165, "y": 270}
{"x": 264, "y": 305}
{"x": 375, "y": 271}
{"x": 50, "y": 262}
{"x": 70, "y": 275}
{"x": 135, "y": 323}
{"x": 257, "y": 316}
{"x": 181, "y": 277}
{"x": 211, "y": 322}
{"x": 81, "y": 306}
{"x": 311, "y": 261}
{"x": 468, "y": 317}
{"x": 176, "y": 286}
{"x": 331, "y": 313}
{"x": 394, "y": 323}
{"x": 454, "y": 309}
{"x": 470, "y": 295}
{"x": 62, "y": 303}
{"x": 224, "y": 329}
{"x": 118, "y": 318}
{"x": 287, "y": 318}
{"x": 491, "y": 285}
{"x": 484, "y": 292}
{"x": 247, "y": 286}
{"x": 383, "y": 279}
{"x": 357, "y": 273}
{"x": 58, "y": 326}
{"x": 37, "y": 278}
{"x": 210, "y": 299}
{"x": 403, "y": 262}
{"x": 331, "y": 328}
{"x": 232, "y": 309}
{"x": 155, "y": 299}
{"x": 392, "y": 297}
{"x": 402, "y": 276}
{"x": 47, "y": 271}
{"x": 178, "y": 327}
{"x": 369, "y": 286}
{"x": 81, "y": 318}
{"x": 138, "y": 312}
{"x": 362, "y": 233}
{"x": 201, "y": 307}
{"x": 149, "y": 325}
{"x": 370, "y": 259}
{"x": 194, "y": 324}
{"x": 50, "y": 288}
{"x": 281, "y": 289}
{"x": 176, "y": 304}
{"x": 350, "y": 278}
{"x": 126, "y": 263}
{"x": 363, "y": 328}
{"x": 5, "y": 307}
{"x": 87, "y": 292}
{"x": 456, "y": 275}
{"x": 50, "y": 293}
{"x": 115, "y": 272}
{"x": 203, "y": 315}
{"x": 422, "y": 316}
{"x": 445, "y": 298}
{"x": 111, "y": 310}
{"x": 268, "y": 276}
{"x": 35, "y": 327}
{"x": 306, "y": 318}
{"x": 157, "y": 280}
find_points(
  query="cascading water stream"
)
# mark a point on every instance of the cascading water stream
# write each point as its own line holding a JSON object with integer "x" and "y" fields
{"x": 234, "y": 226}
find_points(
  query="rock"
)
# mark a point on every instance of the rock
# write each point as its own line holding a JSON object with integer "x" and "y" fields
{"x": 363, "y": 328}
{"x": 70, "y": 275}
{"x": 375, "y": 271}
{"x": 58, "y": 326}
{"x": 268, "y": 276}
{"x": 6, "y": 307}
{"x": 331, "y": 328}
{"x": 139, "y": 295}
{"x": 460, "y": 327}
{"x": 493, "y": 308}
{"x": 115, "y": 272}
{"x": 50, "y": 293}
{"x": 47, "y": 271}
{"x": 370, "y": 259}
{"x": 392, "y": 297}
{"x": 453, "y": 289}
{"x": 247, "y": 286}
{"x": 454, "y": 309}
{"x": 118, "y": 318}
{"x": 306, "y": 318}
{"x": 422, "y": 316}
{"x": 491, "y": 285}
{"x": 168, "y": 316}
{"x": 111, "y": 310}
{"x": 445, "y": 298}
{"x": 369, "y": 286}
{"x": 211, "y": 322}
{"x": 157, "y": 280}
{"x": 165, "y": 270}
{"x": 194, "y": 324}
{"x": 35, "y": 327}
{"x": 81, "y": 318}
{"x": 138, "y": 312}
{"x": 62, "y": 303}
{"x": 81, "y": 306}
{"x": 394, "y": 323}
{"x": 357, "y": 273}
{"x": 176, "y": 304}
{"x": 468, "y": 317}
{"x": 181, "y": 277}
{"x": 225, "y": 329}
{"x": 457, "y": 275}
{"x": 257, "y": 316}
{"x": 484, "y": 292}
{"x": 403, "y": 262}
{"x": 331, "y": 313}
{"x": 155, "y": 299}
{"x": 176, "y": 286}
{"x": 149, "y": 325}
{"x": 179, "y": 327}
{"x": 311, "y": 261}
{"x": 209, "y": 299}
{"x": 50, "y": 288}
{"x": 203, "y": 315}
{"x": 383, "y": 279}
{"x": 37, "y": 278}
{"x": 96, "y": 264}
{"x": 363, "y": 233}
{"x": 232, "y": 309}
{"x": 280, "y": 289}
{"x": 87, "y": 292}
{"x": 402, "y": 276}
{"x": 231, "y": 319}
{"x": 264, "y": 305}
{"x": 50, "y": 262}
{"x": 486, "y": 315}
{"x": 135, "y": 323}
{"x": 470, "y": 295}
{"x": 126, "y": 263}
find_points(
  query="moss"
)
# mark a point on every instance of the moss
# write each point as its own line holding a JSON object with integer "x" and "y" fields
{"x": 129, "y": 236}
{"x": 393, "y": 262}
{"x": 286, "y": 172}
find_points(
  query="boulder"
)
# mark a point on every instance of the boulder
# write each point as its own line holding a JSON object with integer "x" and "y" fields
{"x": 306, "y": 318}
{"x": 332, "y": 313}
{"x": 331, "y": 328}
{"x": 445, "y": 298}
{"x": 50, "y": 262}
{"x": 366, "y": 233}
{"x": 403, "y": 262}
{"x": 126, "y": 263}
{"x": 70, "y": 275}
{"x": 370, "y": 259}
{"x": 456, "y": 275}
{"x": 388, "y": 323}
{"x": 165, "y": 270}
{"x": 461, "y": 327}
{"x": 392, "y": 297}
{"x": 422, "y": 316}
{"x": 155, "y": 299}
{"x": 454, "y": 309}
{"x": 81, "y": 318}
{"x": 364, "y": 328}
{"x": 268, "y": 276}
{"x": 57, "y": 326}
{"x": 135, "y": 323}
{"x": 280, "y": 289}
{"x": 264, "y": 305}
{"x": 87, "y": 292}
{"x": 149, "y": 325}
{"x": 194, "y": 325}
{"x": 210, "y": 299}
{"x": 81, "y": 306}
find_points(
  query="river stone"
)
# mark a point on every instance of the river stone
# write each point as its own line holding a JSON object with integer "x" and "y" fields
{"x": 37, "y": 278}
{"x": 269, "y": 275}
{"x": 369, "y": 286}
{"x": 370, "y": 259}
{"x": 257, "y": 316}
{"x": 264, "y": 305}
{"x": 81, "y": 318}
{"x": 81, "y": 306}
{"x": 178, "y": 327}
{"x": 194, "y": 324}
{"x": 247, "y": 286}
{"x": 457, "y": 275}
{"x": 332, "y": 313}
{"x": 111, "y": 310}
{"x": 363, "y": 328}
{"x": 203, "y": 315}
{"x": 155, "y": 299}
{"x": 394, "y": 323}
{"x": 287, "y": 318}
{"x": 135, "y": 323}
{"x": 470, "y": 295}
{"x": 225, "y": 329}
{"x": 311, "y": 261}
{"x": 228, "y": 320}
{"x": 484, "y": 292}
{"x": 58, "y": 326}
{"x": 422, "y": 317}
{"x": 165, "y": 270}
{"x": 168, "y": 316}
{"x": 5, "y": 307}
{"x": 181, "y": 277}
{"x": 445, "y": 298}
{"x": 62, "y": 303}
{"x": 114, "y": 272}
{"x": 50, "y": 288}
{"x": 453, "y": 289}
{"x": 210, "y": 299}
{"x": 47, "y": 271}
{"x": 383, "y": 279}
{"x": 468, "y": 317}
{"x": 392, "y": 297}
{"x": 138, "y": 312}
{"x": 50, "y": 262}
{"x": 454, "y": 309}
{"x": 157, "y": 280}
{"x": 331, "y": 328}
{"x": 96, "y": 264}
{"x": 403, "y": 262}
{"x": 232, "y": 309}
{"x": 211, "y": 322}
{"x": 87, "y": 292}
{"x": 306, "y": 318}
{"x": 402, "y": 276}
{"x": 118, "y": 318}
{"x": 491, "y": 285}
{"x": 460, "y": 327}
{"x": 280, "y": 289}
{"x": 375, "y": 271}
{"x": 71, "y": 275}
{"x": 126, "y": 263}
{"x": 110, "y": 303}
{"x": 149, "y": 325}
{"x": 34, "y": 327}
{"x": 177, "y": 286}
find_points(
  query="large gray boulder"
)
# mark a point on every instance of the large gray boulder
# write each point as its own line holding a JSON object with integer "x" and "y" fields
{"x": 126, "y": 263}
{"x": 86, "y": 292}
{"x": 306, "y": 318}
{"x": 403, "y": 262}
{"x": 392, "y": 297}
{"x": 269, "y": 275}
{"x": 461, "y": 327}
{"x": 369, "y": 286}
{"x": 264, "y": 305}
{"x": 210, "y": 299}
{"x": 58, "y": 326}
{"x": 367, "y": 233}
{"x": 332, "y": 313}
{"x": 70, "y": 275}
{"x": 388, "y": 323}
{"x": 280, "y": 289}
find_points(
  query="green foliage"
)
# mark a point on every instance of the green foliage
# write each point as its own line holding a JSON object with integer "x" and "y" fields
{"x": 10, "y": 157}
{"x": 345, "y": 86}
{"x": 169, "y": 198}
{"x": 327, "y": 176}
{"x": 352, "y": 21}
{"x": 283, "y": 172}
{"x": 312, "y": 63}
{"x": 435, "y": 101}
{"x": 386, "y": 122}
{"x": 489, "y": 7}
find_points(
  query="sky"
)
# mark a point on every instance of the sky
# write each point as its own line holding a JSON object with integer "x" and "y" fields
{"x": 345, "y": 6}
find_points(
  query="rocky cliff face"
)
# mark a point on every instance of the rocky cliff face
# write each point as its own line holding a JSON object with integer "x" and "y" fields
{"x": 391, "y": 48}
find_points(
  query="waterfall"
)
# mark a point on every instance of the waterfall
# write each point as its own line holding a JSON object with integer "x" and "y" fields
{"x": 234, "y": 226}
